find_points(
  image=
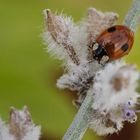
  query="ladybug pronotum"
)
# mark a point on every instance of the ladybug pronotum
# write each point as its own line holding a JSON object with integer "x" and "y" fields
{"x": 114, "y": 42}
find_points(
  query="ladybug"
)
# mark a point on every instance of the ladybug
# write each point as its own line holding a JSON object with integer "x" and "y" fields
{"x": 114, "y": 42}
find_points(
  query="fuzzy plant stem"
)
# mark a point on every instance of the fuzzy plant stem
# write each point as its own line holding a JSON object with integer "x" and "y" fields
{"x": 81, "y": 122}
{"x": 133, "y": 17}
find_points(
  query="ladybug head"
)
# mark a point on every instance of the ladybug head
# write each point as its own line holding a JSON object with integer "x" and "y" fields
{"x": 99, "y": 53}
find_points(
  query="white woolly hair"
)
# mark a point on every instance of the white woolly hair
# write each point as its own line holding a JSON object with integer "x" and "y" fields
{"x": 76, "y": 76}
{"x": 55, "y": 49}
{"x": 106, "y": 97}
{"x": 33, "y": 133}
{"x": 101, "y": 130}
{"x": 4, "y": 132}
{"x": 78, "y": 37}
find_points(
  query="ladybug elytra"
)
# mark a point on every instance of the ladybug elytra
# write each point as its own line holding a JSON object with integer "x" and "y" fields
{"x": 114, "y": 42}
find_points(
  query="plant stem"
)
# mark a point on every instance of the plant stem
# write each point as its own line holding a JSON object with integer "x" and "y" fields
{"x": 133, "y": 16}
{"x": 82, "y": 119}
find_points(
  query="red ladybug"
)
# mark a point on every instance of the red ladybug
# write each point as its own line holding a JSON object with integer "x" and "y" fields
{"x": 114, "y": 42}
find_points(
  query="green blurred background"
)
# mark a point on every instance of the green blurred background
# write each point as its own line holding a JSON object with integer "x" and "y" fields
{"x": 28, "y": 74}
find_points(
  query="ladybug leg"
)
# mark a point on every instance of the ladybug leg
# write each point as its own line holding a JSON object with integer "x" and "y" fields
{"x": 104, "y": 60}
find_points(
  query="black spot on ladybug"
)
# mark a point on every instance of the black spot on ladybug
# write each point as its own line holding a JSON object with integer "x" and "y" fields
{"x": 112, "y": 29}
{"x": 125, "y": 47}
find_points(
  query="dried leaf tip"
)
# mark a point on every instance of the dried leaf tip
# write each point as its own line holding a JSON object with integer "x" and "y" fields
{"x": 46, "y": 11}
{"x": 20, "y": 116}
{"x": 57, "y": 26}
{"x": 59, "y": 29}
{"x": 21, "y": 125}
